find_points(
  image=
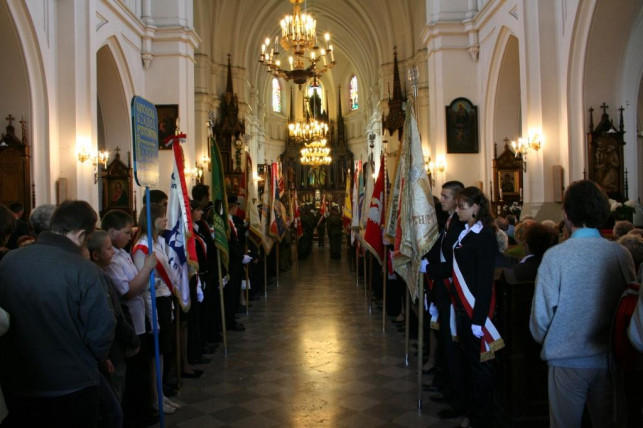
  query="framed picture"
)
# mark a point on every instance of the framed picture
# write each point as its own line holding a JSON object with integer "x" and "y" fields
{"x": 462, "y": 126}
{"x": 233, "y": 184}
{"x": 168, "y": 115}
{"x": 117, "y": 194}
{"x": 508, "y": 182}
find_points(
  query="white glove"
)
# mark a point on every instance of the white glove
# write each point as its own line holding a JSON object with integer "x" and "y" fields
{"x": 246, "y": 259}
{"x": 476, "y": 330}
{"x": 423, "y": 266}
{"x": 199, "y": 292}
{"x": 433, "y": 310}
{"x": 224, "y": 281}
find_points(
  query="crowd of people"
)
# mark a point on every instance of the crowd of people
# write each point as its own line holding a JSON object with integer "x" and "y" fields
{"x": 77, "y": 317}
{"x": 77, "y": 346}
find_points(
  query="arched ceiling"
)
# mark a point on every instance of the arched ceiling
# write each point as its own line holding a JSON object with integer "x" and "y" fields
{"x": 363, "y": 32}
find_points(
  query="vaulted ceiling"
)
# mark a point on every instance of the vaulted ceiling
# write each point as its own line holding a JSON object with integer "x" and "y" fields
{"x": 363, "y": 32}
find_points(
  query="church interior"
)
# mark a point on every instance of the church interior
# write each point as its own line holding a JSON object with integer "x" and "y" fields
{"x": 519, "y": 98}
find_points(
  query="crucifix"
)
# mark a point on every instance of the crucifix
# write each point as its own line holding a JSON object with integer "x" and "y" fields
{"x": 10, "y": 118}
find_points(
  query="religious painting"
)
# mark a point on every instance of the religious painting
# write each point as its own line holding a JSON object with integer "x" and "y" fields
{"x": 233, "y": 184}
{"x": 168, "y": 116}
{"x": 508, "y": 182}
{"x": 605, "y": 154}
{"x": 462, "y": 126}
{"x": 117, "y": 194}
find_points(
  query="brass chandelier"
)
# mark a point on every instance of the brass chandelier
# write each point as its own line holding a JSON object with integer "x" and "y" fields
{"x": 316, "y": 153}
{"x": 298, "y": 36}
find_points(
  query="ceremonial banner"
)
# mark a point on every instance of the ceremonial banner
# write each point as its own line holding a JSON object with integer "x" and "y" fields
{"x": 375, "y": 219}
{"x": 278, "y": 214}
{"x": 347, "y": 210}
{"x": 369, "y": 183}
{"x": 266, "y": 204}
{"x": 220, "y": 225}
{"x": 251, "y": 208}
{"x": 180, "y": 249}
{"x": 417, "y": 225}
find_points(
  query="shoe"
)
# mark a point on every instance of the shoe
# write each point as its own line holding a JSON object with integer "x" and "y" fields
{"x": 236, "y": 327}
{"x": 200, "y": 361}
{"x": 430, "y": 388}
{"x": 449, "y": 413}
{"x": 171, "y": 403}
{"x": 209, "y": 349}
{"x": 196, "y": 373}
{"x": 432, "y": 370}
{"x": 439, "y": 398}
{"x": 167, "y": 409}
{"x": 170, "y": 390}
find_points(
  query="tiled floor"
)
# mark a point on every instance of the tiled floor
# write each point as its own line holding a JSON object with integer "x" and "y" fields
{"x": 311, "y": 355}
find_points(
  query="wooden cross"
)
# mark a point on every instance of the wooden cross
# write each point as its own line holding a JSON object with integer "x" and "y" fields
{"x": 118, "y": 149}
{"x": 604, "y": 107}
{"x": 10, "y": 119}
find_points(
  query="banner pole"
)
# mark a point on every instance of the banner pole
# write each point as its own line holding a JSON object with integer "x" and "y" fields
{"x": 179, "y": 380}
{"x": 356, "y": 263}
{"x": 420, "y": 339}
{"x": 247, "y": 291}
{"x": 370, "y": 283}
{"x": 407, "y": 307}
{"x": 384, "y": 280}
{"x": 277, "y": 245}
{"x": 224, "y": 332}
{"x": 155, "y": 329}
{"x": 265, "y": 273}
{"x": 365, "y": 275}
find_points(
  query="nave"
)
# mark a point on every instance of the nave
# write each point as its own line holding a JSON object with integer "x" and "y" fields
{"x": 311, "y": 355}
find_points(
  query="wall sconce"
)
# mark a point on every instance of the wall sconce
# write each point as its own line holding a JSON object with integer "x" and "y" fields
{"x": 441, "y": 165}
{"x": 98, "y": 161}
{"x": 524, "y": 145}
{"x": 205, "y": 160}
{"x": 83, "y": 154}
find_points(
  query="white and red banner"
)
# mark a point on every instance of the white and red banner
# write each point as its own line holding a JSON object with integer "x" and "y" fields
{"x": 375, "y": 219}
{"x": 180, "y": 248}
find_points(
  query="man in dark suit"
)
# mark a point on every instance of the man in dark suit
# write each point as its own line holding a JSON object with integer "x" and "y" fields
{"x": 439, "y": 269}
{"x": 237, "y": 259}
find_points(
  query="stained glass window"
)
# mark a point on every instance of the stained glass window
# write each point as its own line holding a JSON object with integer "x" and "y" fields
{"x": 276, "y": 95}
{"x": 352, "y": 90}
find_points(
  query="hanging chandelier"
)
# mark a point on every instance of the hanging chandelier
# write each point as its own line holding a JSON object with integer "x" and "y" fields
{"x": 304, "y": 132}
{"x": 299, "y": 37}
{"x": 316, "y": 153}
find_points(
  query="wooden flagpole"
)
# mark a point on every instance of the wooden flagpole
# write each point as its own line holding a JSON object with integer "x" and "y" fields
{"x": 177, "y": 320}
{"x": 265, "y": 273}
{"x": 247, "y": 290}
{"x": 224, "y": 332}
{"x": 420, "y": 337}
{"x": 385, "y": 260}
{"x": 277, "y": 245}
{"x": 407, "y": 307}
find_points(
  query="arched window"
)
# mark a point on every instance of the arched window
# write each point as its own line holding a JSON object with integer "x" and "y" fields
{"x": 276, "y": 95}
{"x": 316, "y": 92}
{"x": 354, "y": 94}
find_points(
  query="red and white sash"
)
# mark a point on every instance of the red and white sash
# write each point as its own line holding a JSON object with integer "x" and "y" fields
{"x": 490, "y": 342}
{"x": 160, "y": 267}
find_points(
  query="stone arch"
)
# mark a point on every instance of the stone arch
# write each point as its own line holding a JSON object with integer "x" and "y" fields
{"x": 44, "y": 156}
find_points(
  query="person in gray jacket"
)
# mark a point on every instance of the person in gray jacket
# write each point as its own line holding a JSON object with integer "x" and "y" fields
{"x": 578, "y": 286}
{"x": 62, "y": 326}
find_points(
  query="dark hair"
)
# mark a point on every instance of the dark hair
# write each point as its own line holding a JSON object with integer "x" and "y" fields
{"x": 200, "y": 191}
{"x": 16, "y": 207}
{"x": 156, "y": 197}
{"x": 622, "y": 228}
{"x": 116, "y": 219}
{"x": 540, "y": 238}
{"x": 7, "y": 224}
{"x": 156, "y": 211}
{"x": 41, "y": 218}
{"x": 511, "y": 219}
{"x": 96, "y": 241}
{"x": 472, "y": 195}
{"x": 586, "y": 204}
{"x": 454, "y": 186}
{"x": 195, "y": 205}
{"x": 72, "y": 216}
